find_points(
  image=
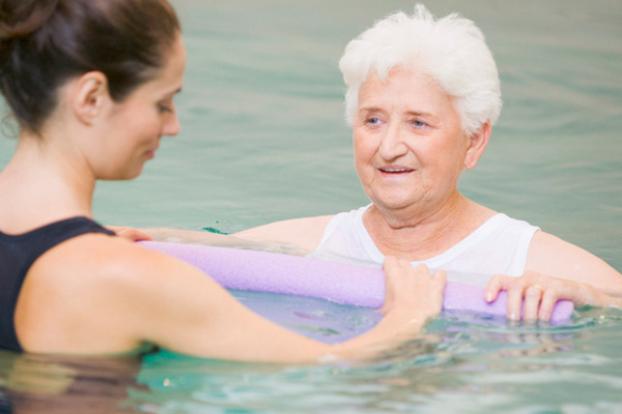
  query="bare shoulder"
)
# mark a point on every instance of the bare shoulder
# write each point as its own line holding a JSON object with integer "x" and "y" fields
{"x": 551, "y": 255}
{"x": 96, "y": 290}
{"x": 303, "y": 232}
{"x": 99, "y": 257}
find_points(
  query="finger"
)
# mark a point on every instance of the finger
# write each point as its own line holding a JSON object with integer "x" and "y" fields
{"x": 514, "y": 303}
{"x": 494, "y": 286}
{"x": 420, "y": 269}
{"x": 391, "y": 271}
{"x": 549, "y": 299}
{"x": 440, "y": 279}
{"x": 134, "y": 235}
{"x": 533, "y": 295}
{"x": 391, "y": 265}
{"x": 438, "y": 288}
{"x": 142, "y": 236}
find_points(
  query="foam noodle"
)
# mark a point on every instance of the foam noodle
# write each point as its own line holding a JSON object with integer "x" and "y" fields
{"x": 335, "y": 281}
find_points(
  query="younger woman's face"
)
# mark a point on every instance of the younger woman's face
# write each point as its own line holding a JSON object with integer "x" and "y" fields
{"x": 137, "y": 123}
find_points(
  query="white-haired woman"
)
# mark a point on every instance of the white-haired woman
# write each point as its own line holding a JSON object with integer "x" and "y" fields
{"x": 422, "y": 97}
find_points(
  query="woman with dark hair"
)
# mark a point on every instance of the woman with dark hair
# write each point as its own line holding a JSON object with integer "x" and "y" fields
{"x": 91, "y": 84}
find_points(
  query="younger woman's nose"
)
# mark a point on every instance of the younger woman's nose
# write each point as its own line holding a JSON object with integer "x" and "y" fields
{"x": 172, "y": 125}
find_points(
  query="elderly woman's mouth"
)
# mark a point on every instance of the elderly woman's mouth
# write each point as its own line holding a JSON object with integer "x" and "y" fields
{"x": 395, "y": 170}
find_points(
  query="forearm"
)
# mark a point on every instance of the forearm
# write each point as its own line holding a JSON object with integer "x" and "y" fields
{"x": 390, "y": 332}
{"x": 194, "y": 236}
{"x": 203, "y": 237}
{"x": 244, "y": 336}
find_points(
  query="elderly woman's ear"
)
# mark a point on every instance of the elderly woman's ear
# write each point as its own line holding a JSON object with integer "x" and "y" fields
{"x": 477, "y": 143}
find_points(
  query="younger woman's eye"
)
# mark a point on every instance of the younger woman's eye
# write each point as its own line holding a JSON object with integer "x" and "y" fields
{"x": 164, "y": 108}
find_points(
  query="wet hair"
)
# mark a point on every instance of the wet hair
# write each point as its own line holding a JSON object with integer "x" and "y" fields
{"x": 452, "y": 50}
{"x": 44, "y": 43}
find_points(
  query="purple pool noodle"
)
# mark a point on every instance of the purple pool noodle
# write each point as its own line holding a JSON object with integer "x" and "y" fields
{"x": 343, "y": 283}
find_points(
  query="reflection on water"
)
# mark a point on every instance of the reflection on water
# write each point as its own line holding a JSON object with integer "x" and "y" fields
{"x": 37, "y": 384}
{"x": 464, "y": 363}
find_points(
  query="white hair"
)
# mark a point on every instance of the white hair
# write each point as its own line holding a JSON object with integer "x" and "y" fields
{"x": 452, "y": 50}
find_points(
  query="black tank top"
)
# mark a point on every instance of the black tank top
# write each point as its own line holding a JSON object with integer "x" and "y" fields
{"x": 17, "y": 255}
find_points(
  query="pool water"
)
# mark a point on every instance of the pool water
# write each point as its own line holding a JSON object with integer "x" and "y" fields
{"x": 264, "y": 139}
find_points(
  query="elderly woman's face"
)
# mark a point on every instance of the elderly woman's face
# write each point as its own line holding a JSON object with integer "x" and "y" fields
{"x": 408, "y": 141}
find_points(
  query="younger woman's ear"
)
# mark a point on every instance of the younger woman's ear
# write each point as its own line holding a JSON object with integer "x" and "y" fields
{"x": 90, "y": 95}
{"x": 478, "y": 141}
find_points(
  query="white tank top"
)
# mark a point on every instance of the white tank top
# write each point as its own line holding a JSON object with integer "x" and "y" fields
{"x": 499, "y": 246}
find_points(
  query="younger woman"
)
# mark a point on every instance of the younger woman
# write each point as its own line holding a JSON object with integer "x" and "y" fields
{"x": 91, "y": 84}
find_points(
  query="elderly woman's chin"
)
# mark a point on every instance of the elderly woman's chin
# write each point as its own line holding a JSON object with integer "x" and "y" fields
{"x": 396, "y": 198}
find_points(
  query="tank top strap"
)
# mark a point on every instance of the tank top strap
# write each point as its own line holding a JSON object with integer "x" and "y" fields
{"x": 18, "y": 252}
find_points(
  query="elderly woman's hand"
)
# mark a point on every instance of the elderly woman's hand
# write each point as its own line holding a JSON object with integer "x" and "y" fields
{"x": 412, "y": 290}
{"x": 536, "y": 294}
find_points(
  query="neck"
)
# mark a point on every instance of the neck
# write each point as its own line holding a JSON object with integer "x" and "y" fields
{"x": 418, "y": 233}
{"x": 45, "y": 181}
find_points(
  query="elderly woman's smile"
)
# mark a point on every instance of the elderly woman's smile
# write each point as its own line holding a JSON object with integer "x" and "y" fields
{"x": 408, "y": 140}
{"x": 422, "y": 97}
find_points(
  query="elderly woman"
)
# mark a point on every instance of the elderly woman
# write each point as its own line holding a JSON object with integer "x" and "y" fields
{"x": 422, "y": 98}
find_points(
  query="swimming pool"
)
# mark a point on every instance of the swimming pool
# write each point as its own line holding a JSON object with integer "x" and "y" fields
{"x": 264, "y": 139}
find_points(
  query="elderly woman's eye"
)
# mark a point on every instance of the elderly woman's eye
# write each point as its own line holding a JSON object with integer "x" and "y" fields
{"x": 373, "y": 121}
{"x": 419, "y": 124}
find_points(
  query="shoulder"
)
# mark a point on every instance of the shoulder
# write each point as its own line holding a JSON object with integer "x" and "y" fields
{"x": 302, "y": 232}
{"x": 111, "y": 271}
{"x": 98, "y": 290}
{"x": 551, "y": 255}
{"x": 99, "y": 257}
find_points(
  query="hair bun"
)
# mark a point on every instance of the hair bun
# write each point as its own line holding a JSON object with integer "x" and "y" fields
{"x": 19, "y": 18}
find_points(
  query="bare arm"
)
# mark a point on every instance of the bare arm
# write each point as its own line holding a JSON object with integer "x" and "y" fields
{"x": 534, "y": 295}
{"x": 212, "y": 323}
{"x": 296, "y": 236}
{"x": 202, "y": 237}
{"x": 557, "y": 270}
{"x": 303, "y": 232}
{"x": 552, "y": 256}
{"x": 127, "y": 295}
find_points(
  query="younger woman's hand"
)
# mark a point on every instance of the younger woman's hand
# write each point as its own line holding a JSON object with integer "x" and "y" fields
{"x": 130, "y": 233}
{"x": 534, "y": 295}
{"x": 412, "y": 292}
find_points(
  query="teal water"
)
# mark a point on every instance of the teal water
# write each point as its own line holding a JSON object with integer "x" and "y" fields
{"x": 264, "y": 139}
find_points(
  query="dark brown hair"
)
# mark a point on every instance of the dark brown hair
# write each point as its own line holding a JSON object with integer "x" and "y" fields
{"x": 44, "y": 43}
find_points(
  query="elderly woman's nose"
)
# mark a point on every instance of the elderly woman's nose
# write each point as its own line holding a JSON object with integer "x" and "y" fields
{"x": 392, "y": 144}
